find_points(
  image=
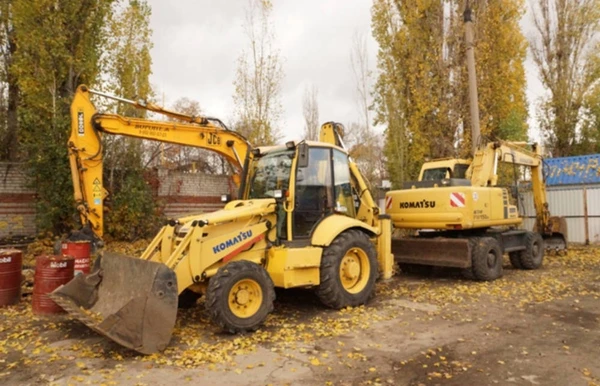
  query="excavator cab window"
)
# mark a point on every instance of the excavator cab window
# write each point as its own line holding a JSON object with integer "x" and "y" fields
{"x": 434, "y": 174}
{"x": 269, "y": 173}
{"x": 460, "y": 170}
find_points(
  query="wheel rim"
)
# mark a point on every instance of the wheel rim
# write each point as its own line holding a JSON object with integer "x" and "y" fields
{"x": 245, "y": 298}
{"x": 355, "y": 270}
{"x": 491, "y": 259}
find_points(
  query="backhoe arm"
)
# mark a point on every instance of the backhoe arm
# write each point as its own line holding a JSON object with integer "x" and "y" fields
{"x": 483, "y": 172}
{"x": 85, "y": 146}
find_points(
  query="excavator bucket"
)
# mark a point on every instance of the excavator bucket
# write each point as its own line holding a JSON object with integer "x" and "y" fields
{"x": 129, "y": 300}
{"x": 556, "y": 234}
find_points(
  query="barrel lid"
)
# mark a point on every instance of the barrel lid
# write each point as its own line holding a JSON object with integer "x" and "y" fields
{"x": 9, "y": 251}
{"x": 53, "y": 258}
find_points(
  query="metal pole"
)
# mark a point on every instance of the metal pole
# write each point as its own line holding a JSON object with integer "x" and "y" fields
{"x": 473, "y": 100}
{"x": 586, "y": 219}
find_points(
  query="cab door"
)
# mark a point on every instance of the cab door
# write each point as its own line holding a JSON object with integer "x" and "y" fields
{"x": 314, "y": 192}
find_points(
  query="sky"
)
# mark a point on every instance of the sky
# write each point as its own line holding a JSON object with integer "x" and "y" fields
{"x": 197, "y": 44}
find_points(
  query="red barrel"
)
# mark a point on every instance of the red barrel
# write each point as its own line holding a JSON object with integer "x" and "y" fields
{"x": 80, "y": 251}
{"x": 50, "y": 273}
{"x": 11, "y": 263}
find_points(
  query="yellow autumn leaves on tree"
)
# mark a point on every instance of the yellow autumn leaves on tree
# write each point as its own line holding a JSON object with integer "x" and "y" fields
{"x": 421, "y": 91}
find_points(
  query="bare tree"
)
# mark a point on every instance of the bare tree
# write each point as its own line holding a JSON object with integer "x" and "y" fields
{"x": 565, "y": 50}
{"x": 359, "y": 61}
{"x": 310, "y": 110}
{"x": 364, "y": 146}
{"x": 258, "y": 78}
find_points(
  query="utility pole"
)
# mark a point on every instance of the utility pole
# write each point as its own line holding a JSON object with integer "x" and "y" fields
{"x": 473, "y": 100}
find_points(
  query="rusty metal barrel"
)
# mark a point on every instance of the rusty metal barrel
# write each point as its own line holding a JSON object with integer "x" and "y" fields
{"x": 80, "y": 251}
{"x": 50, "y": 273}
{"x": 11, "y": 264}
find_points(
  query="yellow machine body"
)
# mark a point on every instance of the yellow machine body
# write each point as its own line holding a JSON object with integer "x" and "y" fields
{"x": 305, "y": 216}
{"x": 457, "y": 207}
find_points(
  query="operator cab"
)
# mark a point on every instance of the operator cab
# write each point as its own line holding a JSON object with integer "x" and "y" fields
{"x": 313, "y": 179}
{"x": 442, "y": 172}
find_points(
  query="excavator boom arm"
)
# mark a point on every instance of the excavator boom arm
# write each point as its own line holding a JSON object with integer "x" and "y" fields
{"x": 85, "y": 146}
{"x": 483, "y": 172}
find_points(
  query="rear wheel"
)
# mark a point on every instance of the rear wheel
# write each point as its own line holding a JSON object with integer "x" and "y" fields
{"x": 240, "y": 296}
{"x": 515, "y": 259}
{"x": 532, "y": 256}
{"x": 348, "y": 270}
{"x": 487, "y": 259}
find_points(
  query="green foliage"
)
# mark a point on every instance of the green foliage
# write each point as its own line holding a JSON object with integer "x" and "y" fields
{"x": 567, "y": 54}
{"x": 134, "y": 212}
{"x": 59, "y": 43}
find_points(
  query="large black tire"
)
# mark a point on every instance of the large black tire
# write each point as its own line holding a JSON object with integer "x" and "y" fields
{"x": 187, "y": 299}
{"x": 532, "y": 256}
{"x": 487, "y": 259}
{"x": 515, "y": 259}
{"x": 240, "y": 296}
{"x": 467, "y": 273}
{"x": 348, "y": 270}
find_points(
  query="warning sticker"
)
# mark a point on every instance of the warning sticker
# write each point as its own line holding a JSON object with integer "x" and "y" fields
{"x": 457, "y": 200}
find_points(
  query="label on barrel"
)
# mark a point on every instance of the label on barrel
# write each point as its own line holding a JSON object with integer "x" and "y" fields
{"x": 5, "y": 259}
{"x": 59, "y": 264}
{"x": 82, "y": 261}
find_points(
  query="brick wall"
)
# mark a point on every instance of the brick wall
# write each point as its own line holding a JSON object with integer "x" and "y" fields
{"x": 187, "y": 193}
{"x": 182, "y": 193}
{"x": 17, "y": 202}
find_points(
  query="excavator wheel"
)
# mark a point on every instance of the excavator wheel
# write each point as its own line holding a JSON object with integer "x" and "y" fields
{"x": 532, "y": 256}
{"x": 348, "y": 270}
{"x": 187, "y": 299}
{"x": 515, "y": 259}
{"x": 240, "y": 296}
{"x": 487, "y": 259}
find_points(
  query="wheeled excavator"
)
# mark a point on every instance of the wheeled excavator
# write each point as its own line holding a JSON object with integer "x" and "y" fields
{"x": 305, "y": 218}
{"x": 464, "y": 219}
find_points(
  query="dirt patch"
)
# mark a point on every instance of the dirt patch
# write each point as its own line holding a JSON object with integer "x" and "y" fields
{"x": 530, "y": 327}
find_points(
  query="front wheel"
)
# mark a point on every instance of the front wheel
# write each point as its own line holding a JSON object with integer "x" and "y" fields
{"x": 487, "y": 259}
{"x": 532, "y": 256}
{"x": 348, "y": 270}
{"x": 240, "y": 296}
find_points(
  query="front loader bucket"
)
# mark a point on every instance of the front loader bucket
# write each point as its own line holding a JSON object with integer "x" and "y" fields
{"x": 129, "y": 300}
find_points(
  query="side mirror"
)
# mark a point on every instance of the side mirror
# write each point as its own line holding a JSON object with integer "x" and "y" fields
{"x": 302, "y": 155}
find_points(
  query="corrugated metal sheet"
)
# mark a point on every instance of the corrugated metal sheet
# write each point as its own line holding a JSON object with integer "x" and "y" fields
{"x": 572, "y": 170}
{"x": 593, "y": 201}
{"x": 566, "y": 202}
{"x": 594, "y": 229}
{"x": 563, "y": 201}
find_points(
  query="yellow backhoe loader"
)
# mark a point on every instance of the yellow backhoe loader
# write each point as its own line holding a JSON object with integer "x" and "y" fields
{"x": 305, "y": 219}
{"x": 464, "y": 219}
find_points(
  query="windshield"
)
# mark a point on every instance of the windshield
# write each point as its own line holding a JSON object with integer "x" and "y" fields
{"x": 269, "y": 173}
{"x": 435, "y": 174}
